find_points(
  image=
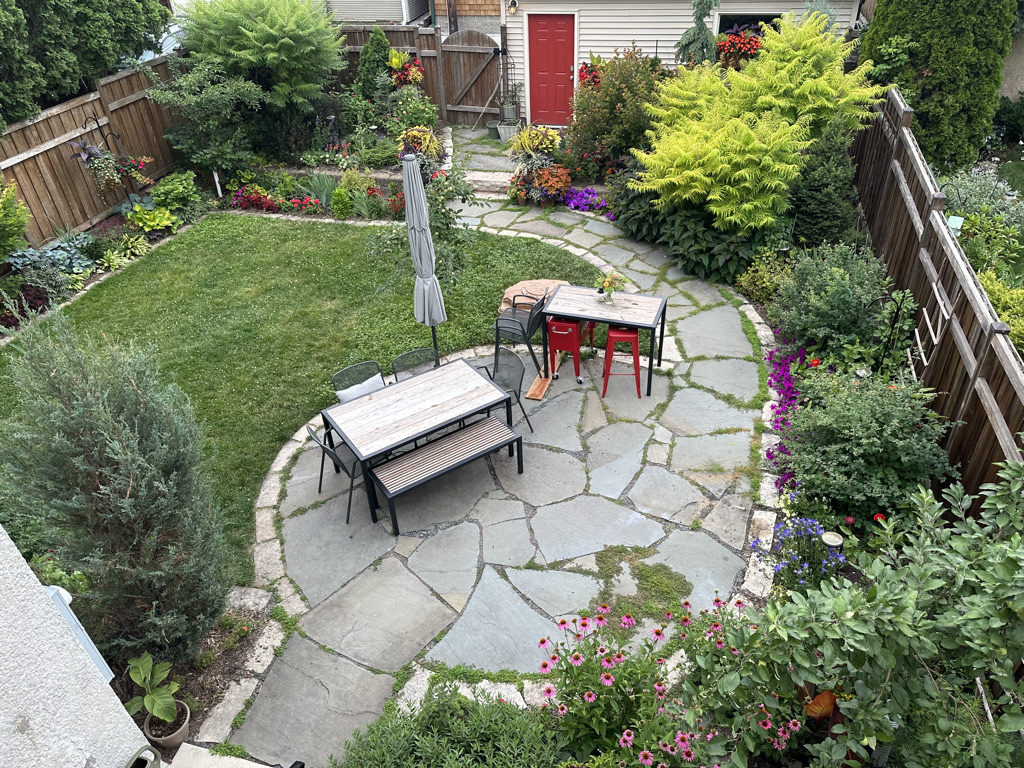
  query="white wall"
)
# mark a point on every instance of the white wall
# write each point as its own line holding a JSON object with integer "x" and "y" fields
{"x": 55, "y": 708}
{"x": 655, "y": 25}
{"x": 361, "y": 12}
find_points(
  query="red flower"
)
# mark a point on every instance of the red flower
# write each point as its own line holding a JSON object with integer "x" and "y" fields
{"x": 850, "y": 520}
{"x": 815, "y": 363}
{"x": 879, "y": 517}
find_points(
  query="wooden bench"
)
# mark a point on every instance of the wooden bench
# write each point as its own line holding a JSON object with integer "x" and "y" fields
{"x": 423, "y": 464}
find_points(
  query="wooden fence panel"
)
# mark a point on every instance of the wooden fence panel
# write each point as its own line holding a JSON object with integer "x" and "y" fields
{"x": 963, "y": 351}
{"x": 57, "y": 188}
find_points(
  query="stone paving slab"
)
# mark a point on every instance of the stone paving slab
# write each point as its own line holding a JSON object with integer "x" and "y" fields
{"x": 730, "y": 377}
{"x": 705, "y": 452}
{"x": 508, "y": 543}
{"x": 497, "y": 631}
{"x": 714, "y": 333}
{"x": 557, "y": 422}
{"x": 666, "y": 495}
{"x": 447, "y": 562}
{"x": 446, "y": 499}
{"x": 489, "y": 511}
{"x": 589, "y": 524}
{"x": 705, "y": 293}
{"x": 584, "y": 238}
{"x": 615, "y": 456}
{"x": 547, "y": 476}
{"x": 322, "y": 553}
{"x": 352, "y": 623}
{"x": 729, "y": 519}
{"x": 695, "y": 412}
{"x": 217, "y": 724}
{"x": 301, "y": 488}
{"x": 539, "y": 227}
{"x": 612, "y": 253}
{"x": 558, "y": 593}
{"x": 310, "y": 705}
{"x": 706, "y": 564}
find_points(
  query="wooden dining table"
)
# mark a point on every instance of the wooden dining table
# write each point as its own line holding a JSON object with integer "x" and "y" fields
{"x": 376, "y": 424}
{"x": 629, "y": 310}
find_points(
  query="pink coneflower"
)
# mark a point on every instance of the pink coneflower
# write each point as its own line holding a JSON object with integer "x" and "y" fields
{"x": 563, "y": 624}
{"x": 739, "y": 604}
{"x": 590, "y": 697}
{"x": 687, "y": 754}
{"x": 544, "y": 643}
{"x": 685, "y": 621}
{"x": 605, "y": 608}
{"x": 600, "y": 620}
{"x": 584, "y": 623}
{"x": 545, "y": 667}
{"x": 607, "y": 662}
{"x": 645, "y": 757}
{"x": 626, "y": 740}
{"x": 716, "y": 627}
{"x": 659, "y": 686}
{"x": 718, "y": 602}
{"x": 794, "y": 725}
{"x": 619, "y": 657}
{"x": 668, "y": 615}
{"x": 562, "y": 709}
{"x": 576, "y": 659}
{"x": 627, "y": 621}
{"x": 662, "y": 765}
{"x": 549, "y": 691}
{"x": 766, "y": 724}
{"x": 719, "y": 643}
{"x": 683, "y": 635}
{"x": 733, "y": 650}
{"x": 658, "y": 634}
{"x": 671, "y": 749}
{"x": 554, "y": 658}
{"x": 607, "y": 678}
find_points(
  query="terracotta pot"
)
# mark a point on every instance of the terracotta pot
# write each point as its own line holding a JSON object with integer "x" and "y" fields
{"x": 176, "y": 738}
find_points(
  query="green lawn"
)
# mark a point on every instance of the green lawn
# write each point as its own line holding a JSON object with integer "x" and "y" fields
{"x": 1013, "y": 174}
{"x": 251, "y": 316}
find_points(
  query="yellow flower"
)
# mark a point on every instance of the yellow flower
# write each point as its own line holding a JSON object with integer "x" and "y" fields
{"x": 607, "y": 283}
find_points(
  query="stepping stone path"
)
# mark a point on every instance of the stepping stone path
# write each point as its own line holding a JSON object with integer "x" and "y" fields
{"x": 488, "y": 559}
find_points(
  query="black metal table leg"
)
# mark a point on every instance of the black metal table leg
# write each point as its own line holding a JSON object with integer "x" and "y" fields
{"x": 661, "y": 339}
{"x": 545, "y": 374}
{"x": 650, "y": 365}
{"x": 371, "y": 490}
{"x": 508, "y": 415}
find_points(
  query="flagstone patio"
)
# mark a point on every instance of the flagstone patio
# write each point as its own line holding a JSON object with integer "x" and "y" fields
{"x": 488, "y": 558}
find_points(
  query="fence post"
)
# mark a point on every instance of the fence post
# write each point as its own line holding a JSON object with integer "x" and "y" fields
{"x": 504, "y": 59}
{"x": 442, "y": 100}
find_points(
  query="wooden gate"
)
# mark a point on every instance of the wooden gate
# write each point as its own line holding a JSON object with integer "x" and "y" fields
{"x": 470, "y": 71}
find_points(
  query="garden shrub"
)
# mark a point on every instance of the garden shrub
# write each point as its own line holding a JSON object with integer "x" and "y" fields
{"x": 822, "y": 197}
{"x": 14, "y": 217}
{"x": 991, "y": 244}
{"x": 1010, "y": 117}
{"x": 451, "y": 731}
{"x": 956, "y": 76}
{"x": 732, "y": 141}
{"x": 24, "y": 75}
{"x": 1008, "y": 303}
{"x": 685, "y": 231}
{"x": 110, "y": 458}
{"x": 177, "y": 192}
{"x": 610, "y": 119}
{"x": 863, "y": 444}
{"x": 407, "y": 107}
{"x": 824, "y": 300}
{"x": 373, "y": 62}
{"x": 761, "y": 279}
{"x": 213, "y": 132}
{"x": 341, "y": 204}
{"x": 289, "y": 48}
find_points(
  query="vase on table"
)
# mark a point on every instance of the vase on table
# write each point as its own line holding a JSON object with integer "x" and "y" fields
{"x": 600, "y": 295}
{"x": 608, "y": 296}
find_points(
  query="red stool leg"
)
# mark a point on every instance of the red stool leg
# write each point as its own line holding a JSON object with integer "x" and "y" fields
{"x": 635, "y": 344}
{"x": 609, "y": 353}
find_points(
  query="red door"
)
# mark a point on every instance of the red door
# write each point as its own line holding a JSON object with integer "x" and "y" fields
{"x": 552, "y": 54}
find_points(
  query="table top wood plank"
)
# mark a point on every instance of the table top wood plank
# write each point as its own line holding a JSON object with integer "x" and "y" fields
{"x": 631, "y": 309}
{"x": 396, "y": 415}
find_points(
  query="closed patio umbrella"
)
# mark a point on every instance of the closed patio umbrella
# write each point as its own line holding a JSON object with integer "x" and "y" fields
{"x": 428, "y": 303}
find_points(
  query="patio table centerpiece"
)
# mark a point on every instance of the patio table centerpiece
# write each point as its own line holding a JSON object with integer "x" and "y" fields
{"x": 607, "y": 285}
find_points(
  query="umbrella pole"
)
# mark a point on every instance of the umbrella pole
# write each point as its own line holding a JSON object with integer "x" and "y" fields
{"x": 433, "y": 335}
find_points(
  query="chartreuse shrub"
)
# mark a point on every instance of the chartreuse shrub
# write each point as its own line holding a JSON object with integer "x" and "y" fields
{"x": 109, "y": 458}
{"x": 450, "y": 731}
{"x": 341, "y": 203}
{"x": 863, "y": 444}
{"x": 937, "y": 606}
{"x": 14, "y": 217}
{"x": 954, "y": 77}
{"x": 178, "y": 193}
{"x": 1008, "y": 303}
{"x": 732, "y": 141}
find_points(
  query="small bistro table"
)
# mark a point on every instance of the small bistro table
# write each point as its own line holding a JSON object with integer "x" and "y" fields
{"x": 377, "y": 423}
{"x": 630, "y": 310}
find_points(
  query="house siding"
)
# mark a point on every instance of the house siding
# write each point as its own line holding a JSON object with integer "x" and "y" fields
{"x": 604, "y": 25}
{"x": 361, "y": 12}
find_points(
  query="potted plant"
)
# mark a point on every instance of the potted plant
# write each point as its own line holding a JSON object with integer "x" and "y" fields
{"x": 172, "y": 715}
{"x": 508, "y": 104}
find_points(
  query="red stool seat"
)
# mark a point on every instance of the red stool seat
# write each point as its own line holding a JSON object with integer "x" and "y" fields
{"x": 629, "y": 336}
{"x": 565, "y": 335}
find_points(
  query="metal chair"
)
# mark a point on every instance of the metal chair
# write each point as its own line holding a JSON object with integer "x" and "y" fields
{"x": 520, "y": 322}
{"x": 344, "y": 461}
{"x": 508, "y": 372}
{"x": 357, "y": 380}
{"x": 408, "y": 364}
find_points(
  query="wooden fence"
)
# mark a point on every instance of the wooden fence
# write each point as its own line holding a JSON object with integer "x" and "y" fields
{"x": 963, "y": 351}
{"x": 58, "y": 189}
{"x": 460, "y": 75}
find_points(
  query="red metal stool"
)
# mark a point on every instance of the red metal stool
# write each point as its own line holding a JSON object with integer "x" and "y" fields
{"x": 623, "y": 335}
{"x": 565, "y": 336}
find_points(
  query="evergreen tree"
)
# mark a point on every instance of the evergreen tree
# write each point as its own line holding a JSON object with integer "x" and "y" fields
{"x": 821, "y": 197}
{"x": 21, "y": 77}
{"x": 697, "y": 44}
{"x": 955, "y": 65}
{"x": 373, "y": 60}
{"x": 111, "y": 458}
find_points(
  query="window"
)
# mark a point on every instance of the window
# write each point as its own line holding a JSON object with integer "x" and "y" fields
{"x": 734, "y": 22}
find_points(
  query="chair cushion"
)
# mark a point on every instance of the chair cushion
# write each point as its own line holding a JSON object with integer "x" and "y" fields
{"x": 356, "y": 391}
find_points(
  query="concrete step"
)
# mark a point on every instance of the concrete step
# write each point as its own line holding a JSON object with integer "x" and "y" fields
{"x": 191, "y": 756}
